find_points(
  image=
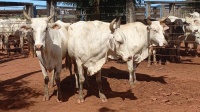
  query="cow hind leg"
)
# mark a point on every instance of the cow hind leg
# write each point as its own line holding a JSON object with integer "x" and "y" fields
{"x": 99, "y": 83}
{"x": 57, "y": 80}
{"x": 81, "y": 81}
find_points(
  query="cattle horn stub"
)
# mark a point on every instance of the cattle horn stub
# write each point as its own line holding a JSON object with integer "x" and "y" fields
{"x": 149, "y": 21}
{"x": 50, "y": 17}
{"x": 26, "y": 15}
{"x": 118, "y": 22}
{"x": 111, "y": 25}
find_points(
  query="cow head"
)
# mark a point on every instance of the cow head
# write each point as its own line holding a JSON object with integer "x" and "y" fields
{"x": 39, "y": 27}
{"x": 197, "y": 35}
{"x": 156, "y": 32}
{"x": 119, "y": 41}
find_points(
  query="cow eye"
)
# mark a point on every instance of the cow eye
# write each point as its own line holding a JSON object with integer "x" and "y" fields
{"x": 32, "y": 30}
{"x": 155, "y": 31}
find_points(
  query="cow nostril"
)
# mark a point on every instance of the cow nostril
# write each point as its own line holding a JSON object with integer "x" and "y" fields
{"x": 129, "y": 58}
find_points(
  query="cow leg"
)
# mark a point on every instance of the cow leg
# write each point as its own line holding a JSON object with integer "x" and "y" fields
{"x": 195, "y": 50}
{"x": 81, "y": 81}
{"x": 149, "y": 57}
{"x": 98, "y": 80}
{"x": 22, "y": 44}
{"x": 52, "y": 79}
{"x": 86, "y": 77}
{"x": 76, "y": 74}
{"x": 46, "y": 81}
{"x": 132, "y": 76}
{"x": 6, "y": 45}
{"x": 178, "y": 54}
{"x": 68, "y": 64}
{"x": 186, "y": 47}
{"x": 154, "y": 57}
{"x": 57, "y": 72}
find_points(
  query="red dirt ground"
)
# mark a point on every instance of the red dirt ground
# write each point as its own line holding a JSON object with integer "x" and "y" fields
{"x": 174, "y": 87}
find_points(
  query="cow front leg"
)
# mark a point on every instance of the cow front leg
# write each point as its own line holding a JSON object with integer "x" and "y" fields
{"x": 178, "y": 54}
{"x": 57, "y": 80}
{"x": 101, "y": 94}
{"x": 52, "y": 79}
{"x": 81, "y": 81}
{"x": 46, "y": 81}
{"x": 132, "y": 76}
{"x": 149, "y": 57}
{"x": 154, "y": 57}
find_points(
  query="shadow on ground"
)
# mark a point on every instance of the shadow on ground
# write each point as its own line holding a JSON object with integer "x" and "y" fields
{"x": 15, "y": 94}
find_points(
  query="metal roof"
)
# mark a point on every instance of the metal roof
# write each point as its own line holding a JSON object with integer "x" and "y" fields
{"x": 59, "y": 0}
{"x": 5, "y": 3}
{"x": 172, "y": 2}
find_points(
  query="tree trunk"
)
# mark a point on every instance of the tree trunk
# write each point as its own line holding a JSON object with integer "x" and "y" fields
{"x": 96, "y": 15}
{"x": 130, "y": 11}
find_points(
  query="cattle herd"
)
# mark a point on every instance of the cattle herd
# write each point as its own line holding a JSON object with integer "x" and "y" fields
{"x": 86, "y": 45}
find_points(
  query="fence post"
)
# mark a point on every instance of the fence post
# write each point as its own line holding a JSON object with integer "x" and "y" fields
{"x": 51, "y": 6}
{"x": 148, "y": 9}
{"x": 171, "y": 9}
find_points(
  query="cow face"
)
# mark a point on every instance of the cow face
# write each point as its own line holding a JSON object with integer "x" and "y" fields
{"x": 120, "y": 46}
{"x": 156, "y": 33}
{"x": 39, "y": 27}
{"x": 193, "y": 24}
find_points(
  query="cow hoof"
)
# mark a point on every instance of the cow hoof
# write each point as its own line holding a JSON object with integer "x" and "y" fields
{"x": 45, "y": 98}
{"x": 132, "y": 83}
{"x": 104, "y": 100}
{"x": 80, "y": 100}
{"x": 59, "y": 101}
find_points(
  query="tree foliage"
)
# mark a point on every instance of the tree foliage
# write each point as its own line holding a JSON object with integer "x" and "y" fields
{"x": 106, "y": 9}
{"x": 194, "y": 5}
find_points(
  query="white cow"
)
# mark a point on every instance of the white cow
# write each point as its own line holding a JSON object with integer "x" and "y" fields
{"x": 192, "y": 31}
{"x": 51, "y": 46}
{"x": 9, "y": 28}
{"x": 139, "y": 37}
{"x": 88, "y": 45}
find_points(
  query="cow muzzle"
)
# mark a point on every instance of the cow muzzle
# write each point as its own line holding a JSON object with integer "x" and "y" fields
{"x": 127, "y": 59}
{"x": 38, "y": 47}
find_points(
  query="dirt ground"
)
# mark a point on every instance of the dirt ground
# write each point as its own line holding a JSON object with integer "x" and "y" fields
{"x": 174, "y": 87}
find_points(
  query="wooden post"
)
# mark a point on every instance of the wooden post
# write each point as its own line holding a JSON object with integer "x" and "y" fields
{"x": 162, "y": 11}
{"x": 51, "y": 6}
{"x": 148, "y": 9}
{"x": 171, "y": 9}
{"x": 179, "y": 12}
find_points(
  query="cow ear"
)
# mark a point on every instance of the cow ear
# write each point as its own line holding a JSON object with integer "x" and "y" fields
{"x": 197, "y": 22}
{"x": 165, "y": 27}
{"x": 55, "y": 26}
